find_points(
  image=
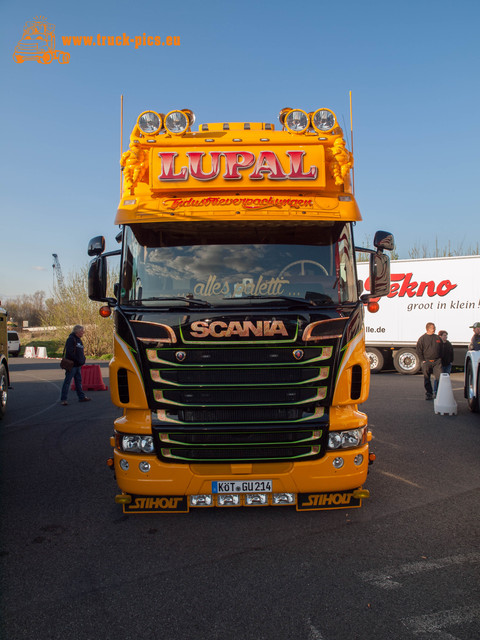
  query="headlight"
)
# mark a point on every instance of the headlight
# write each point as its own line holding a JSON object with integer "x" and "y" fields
{"x": 347, "y": 439}
{"x": 149, "y": 122}
{"x": 177, "y": 122}
{"x": 297, "y": 121}
{"x": 323, "y": 120}
{"x": 324, "y": 329}
{"x": 137, "y": 444}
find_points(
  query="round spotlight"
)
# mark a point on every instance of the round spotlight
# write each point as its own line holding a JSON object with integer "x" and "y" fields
{"x": 124, "y": 464}
{"x": 144, "y": 466}
{"x": 177, "y": 122}
{"x": 358, "y": 460}
{"x": 297, "y": 121}
{"x": 149, "y": 122}
{"x": 338, "y": 463}
{"x": 323, "y": 120}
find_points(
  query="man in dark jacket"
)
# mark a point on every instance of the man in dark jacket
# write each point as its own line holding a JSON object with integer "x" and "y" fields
{"x": 475, "y": 341}
{"x": 74, "y": 351}
{"x": 430, "y": 352}
{"x": 447, "y": 357}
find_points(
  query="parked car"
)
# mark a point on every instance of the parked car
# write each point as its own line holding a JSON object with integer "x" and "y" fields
{"x": 13, "y": 343}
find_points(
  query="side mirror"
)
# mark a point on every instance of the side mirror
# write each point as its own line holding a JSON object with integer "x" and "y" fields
{"x": 384, "y": 240}
{"x": 96, "y": 246}
{"x": 379, "y": 275}
{"x": 97, "y": 281}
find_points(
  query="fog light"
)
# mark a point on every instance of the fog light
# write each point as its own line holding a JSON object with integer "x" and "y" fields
{"x": 297, "y": 120}
{"x": 124, "y": 464}
{"x": 228, "y": 500}
{"x": 358, "y": 459}
{"x": 283, "y": 498}
{"x": 176, "y": 122}
{"x": 144, "y": 466}
{"x": 338, "y": 463}
{"x": 201, "y": 500}
{"x": 149, "y": 122}
{"x": 256, "y": 498}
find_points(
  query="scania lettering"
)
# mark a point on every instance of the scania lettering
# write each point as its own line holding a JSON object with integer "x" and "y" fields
{"x": 239, "y": 350}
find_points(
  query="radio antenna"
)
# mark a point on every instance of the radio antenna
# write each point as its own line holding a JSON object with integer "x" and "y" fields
{"x": 351, "y": 143}
{"x": 121, "y": 140}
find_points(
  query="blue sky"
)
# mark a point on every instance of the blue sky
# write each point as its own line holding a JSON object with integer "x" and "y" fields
{"x": 412, "y": 67}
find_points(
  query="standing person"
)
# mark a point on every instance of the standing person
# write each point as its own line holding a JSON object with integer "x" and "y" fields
{"x": 447, "y": 358}
{"x": 475, "y": 341}
{"x": 430, "y": 351}
{"x": 74, "y": 351}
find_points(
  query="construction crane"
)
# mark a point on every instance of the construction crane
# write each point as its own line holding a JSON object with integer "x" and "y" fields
{"x": 57, "y": 271}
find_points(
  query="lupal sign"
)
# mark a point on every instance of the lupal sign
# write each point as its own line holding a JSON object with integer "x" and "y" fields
{"x": 287, "y": 168}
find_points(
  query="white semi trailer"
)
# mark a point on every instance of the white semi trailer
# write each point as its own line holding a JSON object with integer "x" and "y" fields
{"x": 445, "y": 291}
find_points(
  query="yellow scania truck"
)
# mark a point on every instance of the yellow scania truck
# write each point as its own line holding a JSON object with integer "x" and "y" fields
{"x": 239, "y": 352}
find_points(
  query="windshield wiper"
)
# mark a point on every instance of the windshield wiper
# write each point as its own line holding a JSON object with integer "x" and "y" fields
{"x": 194, "y": 302}
{"x": 302, "y": 301}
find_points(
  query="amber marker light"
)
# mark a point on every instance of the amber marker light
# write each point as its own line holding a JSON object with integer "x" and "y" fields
{"x": 373, "y": 306}
{"x": 149, "y": 122}
{"x": 105, "y": 312}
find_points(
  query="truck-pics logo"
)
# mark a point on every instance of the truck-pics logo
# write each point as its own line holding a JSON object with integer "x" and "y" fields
{"x": 38, "y": 44}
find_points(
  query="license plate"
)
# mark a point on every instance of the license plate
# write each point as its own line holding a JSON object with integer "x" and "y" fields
{"x": 242, "y": 486}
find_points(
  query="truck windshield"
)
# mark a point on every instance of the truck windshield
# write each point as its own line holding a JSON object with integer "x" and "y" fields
{"x": 227, "y": 263}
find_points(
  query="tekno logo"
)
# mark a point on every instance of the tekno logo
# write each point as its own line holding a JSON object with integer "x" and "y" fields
{"x": 38, "y": 44}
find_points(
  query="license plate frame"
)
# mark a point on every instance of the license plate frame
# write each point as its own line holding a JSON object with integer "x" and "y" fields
{"x": 223, "y": 487}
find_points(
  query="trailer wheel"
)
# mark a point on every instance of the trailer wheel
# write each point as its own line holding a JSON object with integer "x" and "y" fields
{"x": 3, "y": 390}
{"x": 472, "y": 394}
{"x": 376, "y": 359}
{"x": 406, "y": 361}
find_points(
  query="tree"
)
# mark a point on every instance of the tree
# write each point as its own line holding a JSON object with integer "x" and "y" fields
{"x": 27, "y": 308}
{"x": 72, "y": 306}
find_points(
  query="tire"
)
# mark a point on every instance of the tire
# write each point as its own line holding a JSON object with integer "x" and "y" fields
{"x": 3, "y": 390}
{"x": 406, "y": 361}
{"x": 470, "y": 393}
{"x": 46, "y": 58}
{"x": 376, "y": 359}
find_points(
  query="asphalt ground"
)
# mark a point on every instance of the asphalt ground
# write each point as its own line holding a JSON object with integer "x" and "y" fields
{"x": 72, "y": 566}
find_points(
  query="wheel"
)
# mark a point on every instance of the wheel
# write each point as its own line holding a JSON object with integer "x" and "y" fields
{"x": 3, "y": 390}
{"x": 302, "y": 264}
{"x": 63, "y": 58}
{"x": 471, "y": 393}
{"x": 46, "y": 58}
{"x": 376, "y": 359}
{"x": 406, "y": 361}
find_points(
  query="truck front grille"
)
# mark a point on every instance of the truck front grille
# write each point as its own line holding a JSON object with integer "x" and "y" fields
{"x": 240, "y": 404}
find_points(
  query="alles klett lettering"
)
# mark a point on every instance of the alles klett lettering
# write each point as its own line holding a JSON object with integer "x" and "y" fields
{"x": 212, "y": 287}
